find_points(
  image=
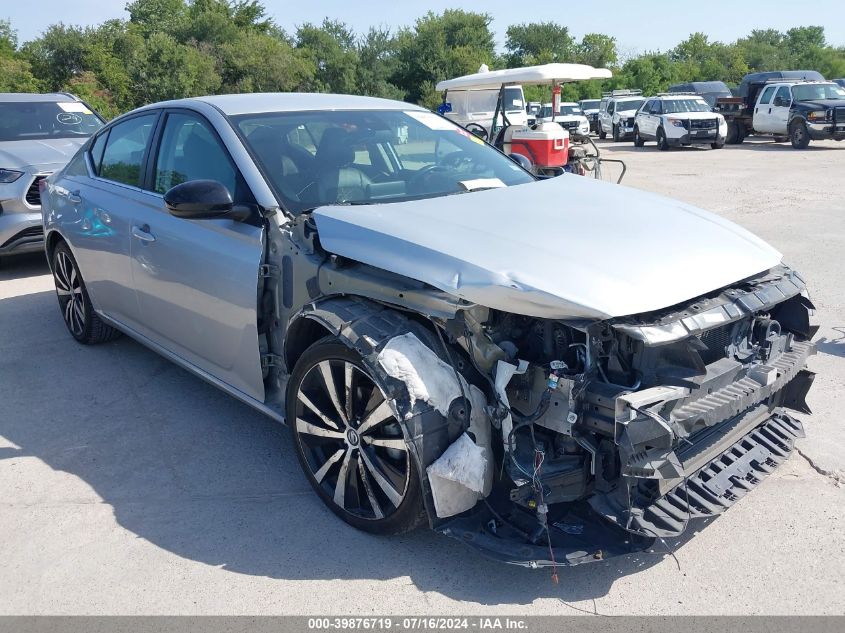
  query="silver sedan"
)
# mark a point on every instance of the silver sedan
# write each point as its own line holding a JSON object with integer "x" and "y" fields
{"x": 554, "y": 371}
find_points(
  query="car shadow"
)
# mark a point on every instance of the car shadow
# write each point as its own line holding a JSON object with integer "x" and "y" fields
{"x": 23, "y": 266}
{"x": 833, "y": 347}
{"x": 197, "y": 473}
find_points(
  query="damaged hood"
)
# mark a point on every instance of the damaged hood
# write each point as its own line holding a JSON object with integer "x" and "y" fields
{"x": 566, "y": 247}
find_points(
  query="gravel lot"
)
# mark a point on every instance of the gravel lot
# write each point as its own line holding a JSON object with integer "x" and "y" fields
{"x": 127, "y": 486}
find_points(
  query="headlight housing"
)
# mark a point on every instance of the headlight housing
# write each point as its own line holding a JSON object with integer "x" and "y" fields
{"x": 817, "y": 115}
{"x": 9, "y": 175}
{"x": 677, "y": 122}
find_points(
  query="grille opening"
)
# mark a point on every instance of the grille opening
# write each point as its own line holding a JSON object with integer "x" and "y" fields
{"x": 717, "y": 340}
{"x": 33, "y": 195}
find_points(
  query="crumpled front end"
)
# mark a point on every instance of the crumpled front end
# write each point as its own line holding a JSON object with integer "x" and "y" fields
{"x": 613, "y": 434}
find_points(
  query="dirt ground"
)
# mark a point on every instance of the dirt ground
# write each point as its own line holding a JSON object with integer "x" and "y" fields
{"x": 127, "y": 486}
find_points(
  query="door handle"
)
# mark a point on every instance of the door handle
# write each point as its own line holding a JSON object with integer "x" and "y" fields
{"x": 143, "y": 233}
{"x": 74, "y": 197}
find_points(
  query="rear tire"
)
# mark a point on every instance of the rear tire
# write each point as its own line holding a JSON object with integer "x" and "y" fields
{"x": 662, "y": 142}
{"x": 781, "y": 139}
{"x": 638, "y": 140}
{"x": 362, "y": 471}
{"x": 78, "y": 314}
{"x": 799, "y": 135}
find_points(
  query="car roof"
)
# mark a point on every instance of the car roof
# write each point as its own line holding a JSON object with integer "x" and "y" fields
{"x": 678, "y": 95}
{"x": 255, "y": 103}
{"x": 32, "y": 97}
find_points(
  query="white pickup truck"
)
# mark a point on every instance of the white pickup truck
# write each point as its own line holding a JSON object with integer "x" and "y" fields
{"x": 797, "y": 109}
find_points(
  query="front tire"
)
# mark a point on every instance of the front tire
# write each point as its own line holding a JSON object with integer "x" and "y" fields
{"x": 349, "y": 443}
{"x": 662, "y": 141}
{"x": 602, "y": 133}
{"x": 717, "y": 144}
{"x": 78, "y": 314}
{"x": 615, "y": 133}
{"x": 799, "y": 135}
{"x": 638, "y": 140}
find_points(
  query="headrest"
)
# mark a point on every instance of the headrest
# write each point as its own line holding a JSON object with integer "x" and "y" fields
{"x": 335, "y": 149}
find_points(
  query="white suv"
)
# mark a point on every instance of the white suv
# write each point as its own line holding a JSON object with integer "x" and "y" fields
{"x": 616, "y": 114}
{"x": 569, "y": 117}
{"x": 676, "y": 119}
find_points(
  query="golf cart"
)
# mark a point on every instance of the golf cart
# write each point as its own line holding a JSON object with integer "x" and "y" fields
{"x": 544, "y": 147}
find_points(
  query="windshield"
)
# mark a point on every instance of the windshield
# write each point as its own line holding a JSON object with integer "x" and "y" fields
{"x": 814, "y": 92}
{"x": 21, "y": 121}
{"x": 478, "y": 101}
{"x": 629, "y": 104}
{"x": 590, "y": 105}
{"x": 671, "y": 106}
{"x": 570, "y": 110}
{"x": 513, "y": 100}
{"x": 313, "y": 159}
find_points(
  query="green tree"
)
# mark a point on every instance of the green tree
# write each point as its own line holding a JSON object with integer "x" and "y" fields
{"x": 439, "y": 47}
{"x": 597, "y": 49}
{"x": 331, "y": 49}
{"x": 377, "y": 63}
{"x": 256, "y": 62}
{"x": 538, "y": 43}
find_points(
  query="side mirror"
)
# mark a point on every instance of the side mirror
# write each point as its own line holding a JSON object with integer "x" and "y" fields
{"x": 522, "y": 161}
{"x": 203, "y": 200}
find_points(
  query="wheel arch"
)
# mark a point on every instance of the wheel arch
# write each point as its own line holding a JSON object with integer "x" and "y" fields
{"x": 366, "y": 326}
{"x": 51, "y": 240}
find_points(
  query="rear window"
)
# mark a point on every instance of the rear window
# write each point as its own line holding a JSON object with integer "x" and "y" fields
{"x": 21, "y": 121}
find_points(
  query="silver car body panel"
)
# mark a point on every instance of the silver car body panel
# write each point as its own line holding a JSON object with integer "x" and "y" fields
{"x": 566, "y": 247}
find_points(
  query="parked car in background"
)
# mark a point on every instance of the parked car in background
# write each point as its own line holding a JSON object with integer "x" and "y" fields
{"x": 707, "y": 90}
{"x": 616, "y": 114}
{"x": 814, "y": 113}
{"x": 839, "y": 82}
{"x": 675, "y": 119}
{"x": 38, "y": 134}
{"x": 543, "y": 386}
{"x": 568, "y": 116}
{"x": 590, "y": 108}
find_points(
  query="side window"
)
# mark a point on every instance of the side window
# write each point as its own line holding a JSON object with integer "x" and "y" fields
{"x": 97, "y": 151}
{"x": 124, "y": 151}
{"x": 611, "y": 105}
{"x": 658, "y": 107}
{"x": 648, "y": 107}
{"x": 189, "y": 150}
{"x": 783, "y": 94}
{"x": 767, "y": 95}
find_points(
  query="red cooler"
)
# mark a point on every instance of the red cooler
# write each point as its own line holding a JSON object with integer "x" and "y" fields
{"x": 546, "y": 146}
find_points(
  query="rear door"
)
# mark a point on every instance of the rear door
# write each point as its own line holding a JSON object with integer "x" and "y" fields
{"x": 101, "y": 209}
{"x": 197, "y": 280}
{"x": 763, "y": 109}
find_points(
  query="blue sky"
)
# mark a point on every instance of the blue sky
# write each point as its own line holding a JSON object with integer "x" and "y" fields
{"x": 636, "y": 26}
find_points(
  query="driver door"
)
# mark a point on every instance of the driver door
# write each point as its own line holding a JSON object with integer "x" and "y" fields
{"x": 197, "y": 280}
{"x": 781, "y": 105}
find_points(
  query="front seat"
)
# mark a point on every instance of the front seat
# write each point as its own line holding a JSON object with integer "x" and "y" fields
{"x": 338, "y": 179}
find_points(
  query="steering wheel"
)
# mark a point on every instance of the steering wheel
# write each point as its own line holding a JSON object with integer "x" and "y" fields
{"x": 455, "y": 160}
{"x": 477, "y": 130}
{"x": 419, "y": 175}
